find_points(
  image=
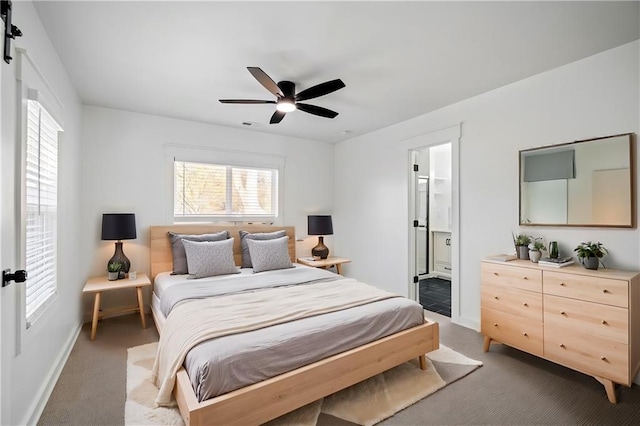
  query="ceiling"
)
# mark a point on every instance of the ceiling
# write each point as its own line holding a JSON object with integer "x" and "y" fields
{"x": 398, "y": 59}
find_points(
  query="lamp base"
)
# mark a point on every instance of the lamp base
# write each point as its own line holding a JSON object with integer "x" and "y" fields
{"x": 320, "y": 250}
{"x": 119, "y": 257}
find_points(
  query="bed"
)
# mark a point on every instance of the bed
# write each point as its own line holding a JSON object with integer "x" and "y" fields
{"x": 283, "y": 391}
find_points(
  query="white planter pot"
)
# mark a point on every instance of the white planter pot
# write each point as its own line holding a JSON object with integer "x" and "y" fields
{"x": 535, "y": 255}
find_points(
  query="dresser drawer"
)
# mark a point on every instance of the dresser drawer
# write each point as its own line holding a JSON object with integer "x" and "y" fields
{"x": 511, "y": 276}
{"x": 592, "y": 319}
{"x": 523, "y": 303}
{"x": 521, "y": 333}
{"x": 592, "y": 355}
{"x": 593, "y": 289}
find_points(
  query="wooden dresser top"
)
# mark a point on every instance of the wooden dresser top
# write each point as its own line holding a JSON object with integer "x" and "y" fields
{"x": 576, "y": 269}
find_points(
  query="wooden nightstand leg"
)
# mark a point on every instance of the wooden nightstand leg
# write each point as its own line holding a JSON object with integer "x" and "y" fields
{"x": 96, "y": 311}
{"x": 339, "y": 269}
{"x": 141, "y": 307}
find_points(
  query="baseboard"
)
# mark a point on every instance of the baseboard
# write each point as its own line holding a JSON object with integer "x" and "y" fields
{"x": 36, "y": 409}
{"x": 466, "y": 322}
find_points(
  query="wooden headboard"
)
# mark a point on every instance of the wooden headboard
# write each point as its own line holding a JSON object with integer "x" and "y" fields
{"x": 160, "y": 245}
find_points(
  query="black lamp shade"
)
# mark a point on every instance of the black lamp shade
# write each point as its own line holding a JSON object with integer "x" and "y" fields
{"x": 119, "y": 226}
{"x": 319, "y": 225}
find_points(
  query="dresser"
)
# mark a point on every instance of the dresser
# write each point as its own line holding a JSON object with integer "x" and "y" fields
{"x": 585, "y": 320}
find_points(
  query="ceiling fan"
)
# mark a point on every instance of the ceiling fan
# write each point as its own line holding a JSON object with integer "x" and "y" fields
{"x": 286, "y": 98}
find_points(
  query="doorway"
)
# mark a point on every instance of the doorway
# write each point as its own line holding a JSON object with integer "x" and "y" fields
{"x": 432, "y": 177}
{"x": 444, "y": 248}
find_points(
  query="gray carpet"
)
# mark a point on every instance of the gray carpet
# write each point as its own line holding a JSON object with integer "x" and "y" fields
{"x": 512, "y": 388}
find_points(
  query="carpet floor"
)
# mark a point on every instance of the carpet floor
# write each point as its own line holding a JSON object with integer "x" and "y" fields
{"x": 435, "y": 295}
{"x": 366, "y": 403}
{"x": 512, "y": 387}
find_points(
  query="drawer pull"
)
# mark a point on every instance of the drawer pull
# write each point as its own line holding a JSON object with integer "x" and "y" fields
{"x": 525, "y": 304}
{"x": 495, "y": 324}
{"x": 604, "y": 322}
{"x": 605, "y": 290}
{"x": 495, "y": 273}
{"x": 604, "y": 358}
{"x": 562, "y": 284}
{"x": 524, "y": 333}
{"x": 496, "y": 297}
{"x": 525, "y": 278}
{"x": 562, "y": 345}
{"x": 563, "y": 313}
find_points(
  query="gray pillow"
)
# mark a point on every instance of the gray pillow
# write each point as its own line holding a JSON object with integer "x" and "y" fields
{"x": 245, "y": 236}
{"x": 267, "y": 255}
{"x": 210, "y": 258}
{"x": 177, "y": 248}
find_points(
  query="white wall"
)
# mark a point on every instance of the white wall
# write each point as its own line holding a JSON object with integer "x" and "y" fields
{"x": 593, "y": 97}
{"x": 124, "y": 170}
{"x": 29, "y": 377}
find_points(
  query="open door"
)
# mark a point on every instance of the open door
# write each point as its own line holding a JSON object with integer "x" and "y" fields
{"x": 2, "y": 262}
{"x": 422, "y": 236}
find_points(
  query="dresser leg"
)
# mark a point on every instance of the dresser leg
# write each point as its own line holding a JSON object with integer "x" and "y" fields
{"x": 610, "y": 387}
{"x": 487, "y": 343}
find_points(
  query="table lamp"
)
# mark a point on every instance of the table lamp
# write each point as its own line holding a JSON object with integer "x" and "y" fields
{"x": 320, "y": 225}
{"x": 119, "y": 226}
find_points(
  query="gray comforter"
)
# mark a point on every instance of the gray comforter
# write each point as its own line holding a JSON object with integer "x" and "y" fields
{"x": 223, "y": 364}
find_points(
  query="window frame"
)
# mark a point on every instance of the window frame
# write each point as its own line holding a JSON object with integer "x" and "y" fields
{"x": 31, "y": 84}
{"x": 229, "y": 158}
{"x": 229, "y": 217}
{"x": 32, "y": 317}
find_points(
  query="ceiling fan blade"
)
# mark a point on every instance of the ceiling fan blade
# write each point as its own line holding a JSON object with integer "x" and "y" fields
{"x": 277, "y": 117}
{"x": 316, "y": 110}
{"x": 266, "y": 81}
{"x": 320, "y": 90}
{"x": 245, "y": 101}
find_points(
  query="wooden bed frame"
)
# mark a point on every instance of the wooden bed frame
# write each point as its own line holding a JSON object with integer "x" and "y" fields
{"x": 266, "y": 400}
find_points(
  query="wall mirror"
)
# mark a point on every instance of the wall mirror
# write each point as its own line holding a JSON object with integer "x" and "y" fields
{"x": 582, "y": 183}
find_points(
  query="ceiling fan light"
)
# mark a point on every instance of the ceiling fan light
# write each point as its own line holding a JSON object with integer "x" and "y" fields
{"x": 285, "y": 106}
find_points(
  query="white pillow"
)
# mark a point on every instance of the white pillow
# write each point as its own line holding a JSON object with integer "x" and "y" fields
{"x": 210, "y": 258}
{"x": 267, "y": 255}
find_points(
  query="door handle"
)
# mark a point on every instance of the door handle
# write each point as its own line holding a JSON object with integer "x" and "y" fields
{"x": 19, "y": 276}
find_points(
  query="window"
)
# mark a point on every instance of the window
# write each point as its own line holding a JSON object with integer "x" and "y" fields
{"x": 218, "y": 192}
{"x": 41, "y": 199}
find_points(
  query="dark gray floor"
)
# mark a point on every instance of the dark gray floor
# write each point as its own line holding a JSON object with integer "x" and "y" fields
{"x": 435, "y": 295}
{"x": 512, "y": 388}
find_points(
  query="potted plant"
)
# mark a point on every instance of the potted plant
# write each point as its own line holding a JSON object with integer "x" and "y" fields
{"x": 113, "y": 269}
{"x": 536, "y": 247}
{"x": 590, "y": 253}
{"x": 522, "y": 241}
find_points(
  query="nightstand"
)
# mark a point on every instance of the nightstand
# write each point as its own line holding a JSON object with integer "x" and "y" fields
{"x": 98, "y": 285}
{"x": 325, "y": 263}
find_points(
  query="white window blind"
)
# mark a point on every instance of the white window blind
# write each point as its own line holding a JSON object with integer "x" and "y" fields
{"x": 205, "y": 192}
{"x": 41, "y": 195}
